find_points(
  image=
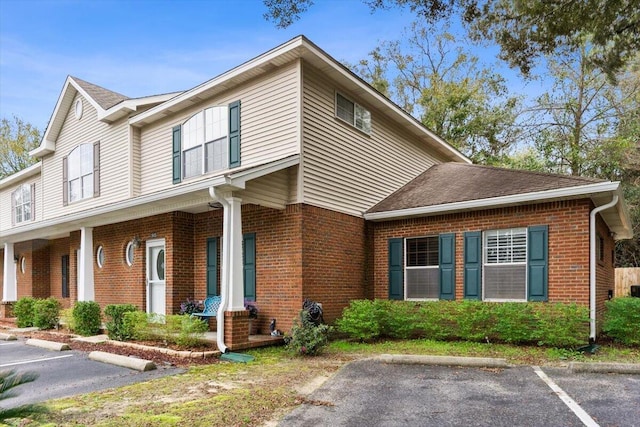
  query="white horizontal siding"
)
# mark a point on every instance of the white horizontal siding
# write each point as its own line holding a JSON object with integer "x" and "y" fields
{"x": 268, "y": 123}
{"x": 272, "y": 190}
{"x": 345, "y": 169}
{"x": 114, "y": 161}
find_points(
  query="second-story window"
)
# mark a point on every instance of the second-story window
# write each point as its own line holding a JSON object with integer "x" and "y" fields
{"x": 352, "y": 113}
{"x": 81, "y": 173}
{"x": 204, "y": 142}
{"x": 22, "y": 201}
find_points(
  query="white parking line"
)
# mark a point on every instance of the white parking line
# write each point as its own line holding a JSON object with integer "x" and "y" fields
{"x": 8, "y": 343}
{"x": 43, "y": 359}
{"x": 572, "y": 404}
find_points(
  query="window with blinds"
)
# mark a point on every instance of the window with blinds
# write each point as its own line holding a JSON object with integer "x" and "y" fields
{"x": 422, "y": 269}
{"x": 505, "y": 264}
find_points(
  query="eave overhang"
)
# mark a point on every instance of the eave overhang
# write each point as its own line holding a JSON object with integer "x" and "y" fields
{"x": 617, "y": 217}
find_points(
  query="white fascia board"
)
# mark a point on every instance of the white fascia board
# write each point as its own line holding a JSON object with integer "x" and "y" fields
{"x": 516, "y": 199}
{"x": 48, "y": 145}
{"x": 132, "y": 104}
{"x": 19, "y": 176}
{"x": 221, "y": 79}
{"x": 625, "y": 217}
{"x": 230, "y": 179}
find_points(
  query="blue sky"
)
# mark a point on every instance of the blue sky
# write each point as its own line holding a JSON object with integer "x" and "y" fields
{"x": 144, "y": 47}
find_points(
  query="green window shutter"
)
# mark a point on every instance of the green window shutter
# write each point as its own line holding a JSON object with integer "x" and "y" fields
{"x": 537, "y": 263}
{"x": 249, "y": 265}
{"x": 396, "y": 268}
{"x": 447, "y": 254}
{"x": 177, "y": 151}
{"x": 212, "y": 266}
{"x": 472, "y": 265}
{"x": 234, "y": 134}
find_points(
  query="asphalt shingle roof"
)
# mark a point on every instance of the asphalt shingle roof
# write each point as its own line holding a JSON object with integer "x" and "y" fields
{"x": 459, "y": 182}
{"x": 104, "y": 97}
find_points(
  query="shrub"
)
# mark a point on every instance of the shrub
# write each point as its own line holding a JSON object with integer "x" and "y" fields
{"x": 559, "y": 325}
{"x": 307, "y": 339}
{"x": 46, "y": 313}
{"x": 136, "y": 325}
{"x": 360, "y": 320}
{"x": 23, "y": 310}
{"x": 115, "y": 325}
{"x": 185, "y": 331}
{"x": 622, "y": 320}
{"x": 66, "y": 319}
{"x": 86, "y": 316}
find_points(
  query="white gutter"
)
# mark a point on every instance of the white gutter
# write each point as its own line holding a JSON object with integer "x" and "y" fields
{"x": 592, "y": 265}
{"x": 224, "y": 271}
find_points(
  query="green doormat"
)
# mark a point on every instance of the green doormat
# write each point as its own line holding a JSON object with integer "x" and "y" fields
{"x": 237, "y": 357}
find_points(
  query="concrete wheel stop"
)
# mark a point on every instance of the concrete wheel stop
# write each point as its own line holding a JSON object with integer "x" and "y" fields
{"x": 124, "y": 361}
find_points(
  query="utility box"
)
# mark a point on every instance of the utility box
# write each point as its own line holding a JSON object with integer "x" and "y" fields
{"x": 635, "y": 291}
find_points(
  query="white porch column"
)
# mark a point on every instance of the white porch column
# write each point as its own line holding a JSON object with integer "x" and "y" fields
{"x": 10, "y": 284}
{"x": 85, "y": 264}
{"x": 232, "y": 236}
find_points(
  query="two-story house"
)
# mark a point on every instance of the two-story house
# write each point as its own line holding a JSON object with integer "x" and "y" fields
{"x": 286, "y": 178}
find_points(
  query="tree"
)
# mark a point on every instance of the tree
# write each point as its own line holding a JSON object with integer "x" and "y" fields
{"x": 17, "y": 138}
{"x": 575, "y": 125}
{"x": 443, "y": 85}
{"x": 10, "y": 380}
{"x": 524, "y": 30}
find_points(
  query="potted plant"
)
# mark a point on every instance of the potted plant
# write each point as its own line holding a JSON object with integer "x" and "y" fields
{"x": 191, "y": 306}
{"x": 252, "y": 308}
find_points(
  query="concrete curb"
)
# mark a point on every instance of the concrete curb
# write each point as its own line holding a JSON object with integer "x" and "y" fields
{"x": 49, "y": 345}
{"x": 475, "y": 362}
{"x": 7, "y": 337}
{"x": 124, "y": 361}
{"x": 605, "y": 368}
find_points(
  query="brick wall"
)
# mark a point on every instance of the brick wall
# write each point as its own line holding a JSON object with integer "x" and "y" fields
{"x": 334, "y": 259}
{"x": 605, "y": 270}
{"x": 58, "y": 248}
{"x": 568, "y": 223}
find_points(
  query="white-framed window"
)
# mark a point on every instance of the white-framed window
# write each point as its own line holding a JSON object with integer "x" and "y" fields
{"x": 100, "y": 256}
{"x": 505, "y": 265}
{"x": 352, "y": 113}
{"x": 422, "y": 274}
{"x": 80, "y": 172}
{"x": 129, "y": 254}
{"x": 204, "y": 142}
{"x": 22, "y": 203}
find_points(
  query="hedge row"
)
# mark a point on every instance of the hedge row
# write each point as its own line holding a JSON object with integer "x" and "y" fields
{"x": 556, "y": 325}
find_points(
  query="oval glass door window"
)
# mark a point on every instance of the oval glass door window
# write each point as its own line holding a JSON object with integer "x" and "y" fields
{"x": 160, "y": 264}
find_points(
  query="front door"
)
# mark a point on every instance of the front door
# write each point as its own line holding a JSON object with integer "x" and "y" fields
{"x": 156, "y": 287}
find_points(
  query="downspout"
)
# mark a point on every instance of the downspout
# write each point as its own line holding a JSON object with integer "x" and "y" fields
{"x": 224, "y": 303}
{"x": 592, "y": 265}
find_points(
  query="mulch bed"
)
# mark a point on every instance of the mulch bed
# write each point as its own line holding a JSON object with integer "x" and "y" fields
{"x": 160, "y": 359}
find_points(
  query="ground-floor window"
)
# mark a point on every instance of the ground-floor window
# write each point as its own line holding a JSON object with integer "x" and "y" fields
{"x": 422, "y": 275}
{"x": 505, "y": 264}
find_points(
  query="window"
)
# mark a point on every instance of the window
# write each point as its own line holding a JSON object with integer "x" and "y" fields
{"x": 204, "y": 142}
{"x": 129, "y": 254}
{"x": 65, "y": 276}
{"x": 22, "y": 201}
{"x": 600, "y": 249}
{"x": 100, "y": 256}
{"x": 505, "y": 264}
{"x": 353, "y": 113}
{"x": 422, "y": 268}
{"x": 80, "y": 166}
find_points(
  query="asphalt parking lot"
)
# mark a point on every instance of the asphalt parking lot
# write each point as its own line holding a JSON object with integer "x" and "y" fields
{"x": 373, "y": 393}
{"x": 65, "y": 373}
